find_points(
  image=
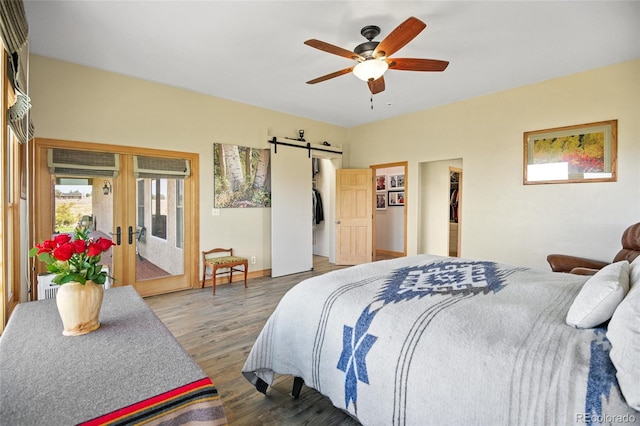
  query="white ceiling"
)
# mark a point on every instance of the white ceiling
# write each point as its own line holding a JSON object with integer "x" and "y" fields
{"x": 253, "y": 51}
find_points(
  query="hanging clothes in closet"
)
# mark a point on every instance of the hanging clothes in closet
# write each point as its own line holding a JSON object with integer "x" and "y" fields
{"x": 453, "y": 202}
{"x": 318, "y": 213}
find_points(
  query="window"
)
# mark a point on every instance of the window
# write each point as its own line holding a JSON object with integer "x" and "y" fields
{"x": 159, "y": 208}
{"x": 11, "y": 248}
{"x": 179, "y": 213}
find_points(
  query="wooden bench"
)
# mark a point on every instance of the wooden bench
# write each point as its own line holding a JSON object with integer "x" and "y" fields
{"x": 213, "y": 260}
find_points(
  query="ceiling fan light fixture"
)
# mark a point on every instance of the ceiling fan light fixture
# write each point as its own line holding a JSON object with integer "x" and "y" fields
{"x": 370, "y": 70}
{"x": 374, "y": 58}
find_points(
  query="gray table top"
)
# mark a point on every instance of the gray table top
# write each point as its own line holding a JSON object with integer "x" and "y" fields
{"x": 48, "y": 378}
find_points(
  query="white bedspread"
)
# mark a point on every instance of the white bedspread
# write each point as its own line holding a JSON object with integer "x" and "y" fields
{"x": 443, "y": 341}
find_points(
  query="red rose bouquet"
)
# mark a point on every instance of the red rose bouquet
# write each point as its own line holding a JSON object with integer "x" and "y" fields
{"x": 73, "y": 259}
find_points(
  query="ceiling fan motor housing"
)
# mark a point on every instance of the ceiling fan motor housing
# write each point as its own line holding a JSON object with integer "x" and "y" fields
{"x": 366, "y": 49}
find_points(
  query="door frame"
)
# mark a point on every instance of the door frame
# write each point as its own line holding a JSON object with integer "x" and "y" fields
{"x": 42, "y": 201}
{"x": 374, "y": 169}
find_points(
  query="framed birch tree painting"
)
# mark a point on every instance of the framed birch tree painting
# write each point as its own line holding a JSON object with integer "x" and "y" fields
{"x": 241, "y": 176}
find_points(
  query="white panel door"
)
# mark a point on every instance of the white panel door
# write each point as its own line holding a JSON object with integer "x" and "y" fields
{"x": 291, "y": 211}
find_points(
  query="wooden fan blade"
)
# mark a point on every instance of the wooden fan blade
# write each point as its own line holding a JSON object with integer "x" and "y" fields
{"x": 412, "y": 64}
{"x": 376, "y": 86}
{"x": 330, "y": 48}
{"x": 399, "y": 37}
{"x": 330, "y": 76}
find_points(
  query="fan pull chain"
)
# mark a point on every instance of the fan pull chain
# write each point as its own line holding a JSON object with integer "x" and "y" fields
{"x": 372, "y": 102}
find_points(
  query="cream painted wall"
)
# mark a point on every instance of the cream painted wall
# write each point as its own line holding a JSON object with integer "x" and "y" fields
{"x": 504, "y": 220}
{"x": 83, "y": 104}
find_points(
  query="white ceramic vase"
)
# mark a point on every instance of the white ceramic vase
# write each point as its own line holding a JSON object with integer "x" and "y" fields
{"x": 79, "y": 307}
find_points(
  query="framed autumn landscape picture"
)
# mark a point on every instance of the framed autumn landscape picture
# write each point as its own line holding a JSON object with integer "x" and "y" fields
{"x": 572, "y": 154}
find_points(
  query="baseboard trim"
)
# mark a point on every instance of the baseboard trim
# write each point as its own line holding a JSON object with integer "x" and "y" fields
{"x": 389, "y": 253}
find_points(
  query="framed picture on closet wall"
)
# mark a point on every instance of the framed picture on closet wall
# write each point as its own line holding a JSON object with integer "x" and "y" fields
{"x": 396, "y": 198}
{"x": 381, "y": 200}
{"x": 396, "y": 182}
{"x": 381, "y": 182}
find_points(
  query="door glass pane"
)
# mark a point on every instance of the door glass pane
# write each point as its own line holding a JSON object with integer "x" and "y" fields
{"x": 179, "y": 213}
{"x": 140, "y": 204}
{"x": 160, "y": 228}
{"x": 159, "y": 208}
{"x": 9, "y": 238}
{"x": 85, "y": 203}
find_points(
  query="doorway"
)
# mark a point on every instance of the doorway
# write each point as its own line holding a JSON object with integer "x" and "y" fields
{"x": 323, "y": 184}
{"x": 437, "y": 227}
{"x": 390, "y": 214}
{"x": 144, "y": 200}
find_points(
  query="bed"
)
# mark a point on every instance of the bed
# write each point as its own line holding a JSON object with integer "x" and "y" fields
{"x": 447, "y": 341}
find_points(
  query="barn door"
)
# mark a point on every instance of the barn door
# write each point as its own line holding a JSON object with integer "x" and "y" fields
{"x": 291, "y": 211}
{"x": 354, "y": 216}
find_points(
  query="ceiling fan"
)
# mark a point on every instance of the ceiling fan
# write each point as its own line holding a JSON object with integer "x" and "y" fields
{"x": 373, "y": 57}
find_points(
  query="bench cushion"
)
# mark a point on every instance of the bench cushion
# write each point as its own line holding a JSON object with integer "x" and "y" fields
{"x": 225, "y": 259}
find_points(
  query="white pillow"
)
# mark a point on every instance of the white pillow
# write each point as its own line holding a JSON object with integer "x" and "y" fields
{"x": 634, "y": 275}
{"x": 624, "y": 335}
{"x": 600, "y": 296}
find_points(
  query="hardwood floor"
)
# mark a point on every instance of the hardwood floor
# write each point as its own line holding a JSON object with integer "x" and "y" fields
{"x": 219, "y": 331}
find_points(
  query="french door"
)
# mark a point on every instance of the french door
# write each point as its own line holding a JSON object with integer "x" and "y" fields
{"x": 144, "y": 200}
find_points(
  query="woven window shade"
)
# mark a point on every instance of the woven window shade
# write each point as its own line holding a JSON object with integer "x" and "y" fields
{"x": 18, "y": 113}
{"x": 161, "y": 168}
{"x": 19, "y": 127}
{"x": 14, "y": 28}
{"x": 69, "y": 162}
{"x": 14, "y": 32}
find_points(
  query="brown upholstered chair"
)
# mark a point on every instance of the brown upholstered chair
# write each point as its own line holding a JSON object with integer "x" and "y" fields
{"x": 581, "y": 266}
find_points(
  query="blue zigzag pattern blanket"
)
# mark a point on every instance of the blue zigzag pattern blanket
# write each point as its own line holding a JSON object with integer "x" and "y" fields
{"x": 433, "y": 340}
